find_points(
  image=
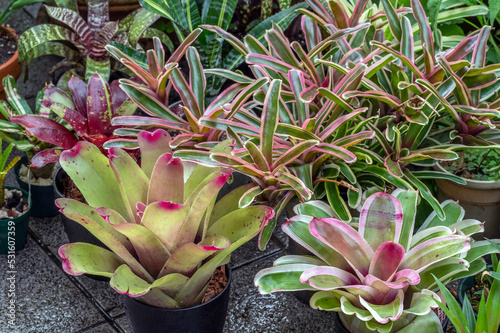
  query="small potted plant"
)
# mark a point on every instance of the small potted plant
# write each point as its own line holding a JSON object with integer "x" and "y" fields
{"x": 165, "y": 234}
{"x": 9, "y": 56}
{"x": 376, "y": 273}
{"x": 40, "y": 180}
{"x": 15, "y": 210}
{"x": 480, "y": 194}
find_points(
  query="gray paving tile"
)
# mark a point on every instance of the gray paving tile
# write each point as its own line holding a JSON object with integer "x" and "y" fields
{"x": 103, "y": 328}
{"x": 123, "y": 323}
{"x": 46, "y": 299}
{"x": 279, "y": 312}
{"x": 109, "y": 299}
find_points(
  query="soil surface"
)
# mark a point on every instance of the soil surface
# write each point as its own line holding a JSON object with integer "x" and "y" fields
{"x": 70, "y": 189}
{"x": 216, "y": 285}
{"x": 14, "y": 205}
{"x": 8, "y": 45}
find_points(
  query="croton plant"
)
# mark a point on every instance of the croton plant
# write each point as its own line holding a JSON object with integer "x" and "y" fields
{"x": 87, "y": 112}
{"x": 378, "y": 273}
{"x": 165, "y": 233}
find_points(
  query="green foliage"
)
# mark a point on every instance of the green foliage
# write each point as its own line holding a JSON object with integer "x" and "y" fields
{"x": 477, "y": 164}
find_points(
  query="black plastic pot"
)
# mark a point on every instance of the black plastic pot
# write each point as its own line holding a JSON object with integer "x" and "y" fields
{"x": 466, "y": 284}
{"x": 75, "y": 231}
{"x": 42, "y": 196}
{"x": 19, "y": 227}
{"x": 208, "y": 317}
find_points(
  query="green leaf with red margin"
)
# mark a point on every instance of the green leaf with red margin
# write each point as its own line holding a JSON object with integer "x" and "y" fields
{"x": 99, "y": 189}
{"x": 83, "y": 258}
{"x": 153, "y": 145}
{"x": 167, "y": 180}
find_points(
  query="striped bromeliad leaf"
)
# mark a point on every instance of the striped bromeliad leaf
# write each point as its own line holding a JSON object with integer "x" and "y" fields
{"x": 164, "y": 237}
{"x": 378, "y": 274}
{"x": 89, "y": 38}
{"x": 88, "y": 112}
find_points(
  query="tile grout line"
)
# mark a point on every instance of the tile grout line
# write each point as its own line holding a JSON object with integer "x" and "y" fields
{"x": 251, "y": 261}
{"x": 75, "y": 282}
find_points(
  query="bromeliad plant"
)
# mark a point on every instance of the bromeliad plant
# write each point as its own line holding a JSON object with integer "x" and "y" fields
{"x": 378, "y": 273}
{"x": 88, "y": 39}
{"x": 166, "y": 235}
{"x": 88, "y": 112}
{"x": 14, "y": 133}
{"x": 190, "y": 15}
{"x": 159, "y": 76}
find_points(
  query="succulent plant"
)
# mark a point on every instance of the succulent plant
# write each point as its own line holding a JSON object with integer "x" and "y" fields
{"x": 166, "y": 236}
{"x": 377, "y": 273}
{"x": 88, "y": 112}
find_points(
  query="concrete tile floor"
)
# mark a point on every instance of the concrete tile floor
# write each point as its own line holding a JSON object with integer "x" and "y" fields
{"x": 49, "y": 300}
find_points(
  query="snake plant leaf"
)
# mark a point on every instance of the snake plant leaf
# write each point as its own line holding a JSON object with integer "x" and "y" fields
{"x": 132, "y": 181}
{"x": 81, "y": 258}
{"x": 279, "y": 278}
{"x": 376, "y": 230}
{"x": 186, "y": 258}
{"x": 218, "y": 12}
{"x": 167, "y": 180}
{"x": 149, "y": 249}
{"x": 99, "y": 189}
{"x": 142, "y": 20}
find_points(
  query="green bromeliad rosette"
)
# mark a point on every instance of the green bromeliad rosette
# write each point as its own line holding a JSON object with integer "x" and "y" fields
{"x": 377, "y": 273}
{"x": 164, "y": 231}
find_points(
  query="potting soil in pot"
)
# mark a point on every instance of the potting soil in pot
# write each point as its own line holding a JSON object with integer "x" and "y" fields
{"x": 23, "y": 174}
{"x": 14, "y": 204}
{"x": 8, "y": 46}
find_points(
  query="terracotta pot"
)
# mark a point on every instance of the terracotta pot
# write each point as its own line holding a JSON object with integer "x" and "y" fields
{"x": 12, "y": 66}
{"x": 480, "y": 199}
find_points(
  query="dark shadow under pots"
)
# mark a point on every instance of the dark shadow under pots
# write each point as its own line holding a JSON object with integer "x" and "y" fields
{"x": 42, "y": 196}
{"x": 207, "y": 317}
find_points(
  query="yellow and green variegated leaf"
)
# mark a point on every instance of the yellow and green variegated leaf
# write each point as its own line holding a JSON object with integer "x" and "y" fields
{"x": 41, "y": 34}
{"x": 141, "y": 21}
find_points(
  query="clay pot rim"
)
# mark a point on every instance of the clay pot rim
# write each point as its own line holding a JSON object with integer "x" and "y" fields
{"x": 14, "y": 57}
{"x": 474, "y": 184}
